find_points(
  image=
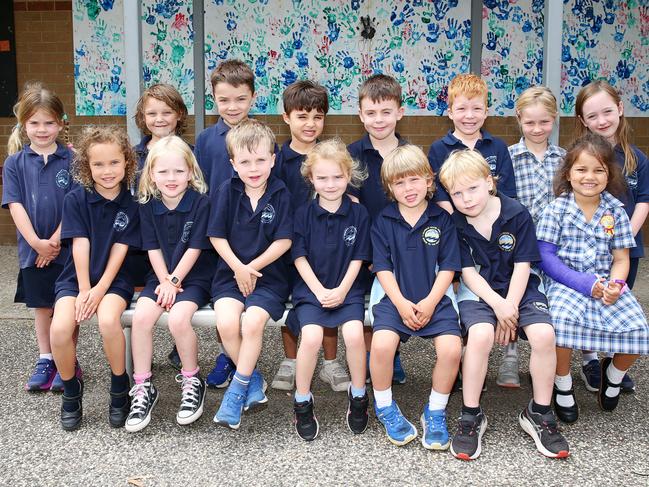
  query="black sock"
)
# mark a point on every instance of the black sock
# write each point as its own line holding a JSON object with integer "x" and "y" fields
{"x": 537, "y": 408}
{"x": 118, "y": 385}
{"x": 71, "y": 388}
{"x": 472, "y": 411}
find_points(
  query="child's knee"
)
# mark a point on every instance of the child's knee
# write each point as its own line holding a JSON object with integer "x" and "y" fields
{"x": 179, "y": 325}
{"x": 354, "y": 337}
{"x": 541, "y": 336}
{"x": 449, "y": 354}
{"x": 142, "y": 322}
{"x": 481, "y": 337}
{"x": 311, "y": 341}
{"x": 382, "y": 350}
{"x": 60, "y": 333}
{"x": 109, "y": 324}
{"x": 252, "y": 327}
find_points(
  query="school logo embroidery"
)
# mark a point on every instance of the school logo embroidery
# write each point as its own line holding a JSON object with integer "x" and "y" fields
{"x": 608, "y": 224}
{"x": 268, "y": 214}
{"x": 62, "y": 178}
{"x": 506, "y": 241}
{"x": 186, "y": 229}
{"x": 540, "y": 306}
{"x": 430, "y": 235}
{"x": 121, "y": 221}
{"x": 491, "y": 160}
{"x": 632, "y": 180}
{"x": 349, "y": 236}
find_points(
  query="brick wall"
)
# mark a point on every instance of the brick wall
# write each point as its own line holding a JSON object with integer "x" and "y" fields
{"x": 45, "y": 52}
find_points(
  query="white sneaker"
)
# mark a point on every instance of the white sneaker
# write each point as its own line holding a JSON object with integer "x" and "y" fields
{"x": 508, "y": 372}
{"x": 284, "y": 379}
{"x": 335, "y": 375}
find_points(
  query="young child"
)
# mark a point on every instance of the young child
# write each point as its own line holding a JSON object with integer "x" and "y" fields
{"x": 599, "y": 109}
{"x": 233, "y": 88}
{"x": 584, "y": 238}
{"x": 100, "y": 222}
{"x": 535, "y": 162}
{"x": 415, "y": 257}
{"x": 251, "y": 229}
{"x": 467, "y": 108}
{"x": 379, "y": 108}
{"x": 173, "y": 218}
{"x": 498, "y": 297}
{"x": 36, "y": 178}
{"x": 305, "y": 105}
{"x": 331, "y": 242}
{"x": 160, "y": 112}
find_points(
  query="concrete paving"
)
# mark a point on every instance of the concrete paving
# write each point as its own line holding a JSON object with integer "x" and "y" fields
{"x": 607, "y": 448}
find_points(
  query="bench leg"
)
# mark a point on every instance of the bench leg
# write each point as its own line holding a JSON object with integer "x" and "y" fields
{"x": 128, "y": 358}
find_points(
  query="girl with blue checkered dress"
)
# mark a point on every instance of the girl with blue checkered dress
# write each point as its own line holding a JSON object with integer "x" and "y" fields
{"x": 584, "y": 238}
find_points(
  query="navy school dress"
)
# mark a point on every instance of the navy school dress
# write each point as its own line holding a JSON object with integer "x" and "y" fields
{"x": 103, "y": 222}
{"x": 415, "y": 255}
{"x": 330, "y": 242}
{"x": 249, "y": 233}
{"x": 40, "y": 188}
{"x": 173, "y": 232}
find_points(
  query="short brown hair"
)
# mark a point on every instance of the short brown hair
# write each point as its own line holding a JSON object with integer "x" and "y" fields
{"x": 233, "y": 72}
{"x": 469, "y": 85}
{"x": 166, "y": 94}
{"x": 250, "y": 134}
{"x": 107, "y": 134}
{"x": 380, "y": 87}
{"x": 305, "y": 95}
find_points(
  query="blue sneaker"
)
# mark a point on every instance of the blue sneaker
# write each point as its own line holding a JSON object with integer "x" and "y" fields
{"x": 591, "y": 376}
{"x": 42, "y": 376}
{"x": 222, "y": 373}
{"x": 435, "y": 431}
{"x": 57, "y": 383}
{"x": 229, "y": 413}
{"x": 400, "y": 431}
{"x": 398, "y": 374}
{"x": 256, "y": 391}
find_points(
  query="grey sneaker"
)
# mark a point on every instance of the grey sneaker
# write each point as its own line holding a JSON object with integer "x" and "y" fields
{"x": 508, "y": 372}
{"x": 284, "y": 379}
{"x": 335, "y": 375}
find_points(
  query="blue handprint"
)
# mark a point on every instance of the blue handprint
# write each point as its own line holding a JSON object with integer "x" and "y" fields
{"x": 440, "y": 9}
{"x": 441, "y": 60}
{"x": 505, "y": 47}
{"x": 346, "y": 59}
{"x": 596, "y": 26}
{"x": 452, "y": 28}
{"x": 491, "y": 41}
{"x": 527, "y": 26}
{"x": 433, "y": 33}
{"x": 297, "y": 40}
{"x": 115, "y": 84}
{"x": 624, "y": 69}
{"x": 403, "y": 16}
{"x": 289, "y": 77}
{"x": 467, "y": 29}
{"x": 619, "y": 33}
{"x": 260, "y": 66}
{"x": 302, "y": 60}
{"x": 398, "y": 66}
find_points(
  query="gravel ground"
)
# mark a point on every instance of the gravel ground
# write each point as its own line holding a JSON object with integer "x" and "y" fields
{"x": 607, "y": 448}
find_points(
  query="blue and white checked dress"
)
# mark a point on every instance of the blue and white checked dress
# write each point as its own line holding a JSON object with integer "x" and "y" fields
{"x": 582, "y": 322}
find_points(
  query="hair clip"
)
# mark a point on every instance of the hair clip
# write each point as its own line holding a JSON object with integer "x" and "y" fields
{"x": 64, "y": 117}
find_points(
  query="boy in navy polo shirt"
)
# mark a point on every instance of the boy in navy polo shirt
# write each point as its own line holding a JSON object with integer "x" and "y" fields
{"x": 499, "y": 296}
{"x": 305, "y": 105}
{"x": 250, "y": 227}
{"x": 416, "y": 255}
{"x": 379, "y": 108}
{"x": 467, "y": 108}
{"x": 233, "y": 88}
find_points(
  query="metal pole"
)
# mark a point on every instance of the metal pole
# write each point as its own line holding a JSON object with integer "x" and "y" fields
{"x": 199, "y": 66}
{"x": 476, "y": 36}
{"x": 132, "y": 64}
{"x": 552, "y": 39}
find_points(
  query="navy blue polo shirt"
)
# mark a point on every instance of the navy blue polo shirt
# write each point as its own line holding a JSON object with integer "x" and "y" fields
{"x": 250, "y": 233}
{"x": 288, "y": 166}
{"x": 493, "y": 149}
{"x": 415, "y": 254}
{"x": 40, "y": 188}
{"x": 175, "y": 231}
{"x": 330, "y": 241}
{"x": 371, "y": 193}
{"x": 87, "y": 214}
{"x": 513, "y": 240}
{"x": 212, "y": 155}
{"x": 637, "y": 190}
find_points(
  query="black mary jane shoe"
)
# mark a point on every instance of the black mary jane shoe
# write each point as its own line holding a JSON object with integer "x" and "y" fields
{"x": 117, "y": 415}
{"x": 71, "y": 420}
{"x": 568, "y": 414}
{"x": 605, "y": 402}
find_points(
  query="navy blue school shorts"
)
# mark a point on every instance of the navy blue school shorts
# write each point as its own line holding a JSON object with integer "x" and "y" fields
{"x": 35, "y": 286}
{"x": 261, "y": 297}
{"x": 529, "y": 312}
{"x": 192, "y": 292}
{"x": 309, "y": 314}
{"x": 122, "y": 293}
{"x": 292, "y": 323}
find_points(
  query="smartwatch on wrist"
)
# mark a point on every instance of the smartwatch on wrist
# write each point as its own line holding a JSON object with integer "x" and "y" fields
{"x": 173, "y": 280}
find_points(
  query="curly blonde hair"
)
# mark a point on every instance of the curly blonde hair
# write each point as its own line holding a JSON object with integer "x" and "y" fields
{"x": 334, "y": 150}
{"x": 110, "y": 134}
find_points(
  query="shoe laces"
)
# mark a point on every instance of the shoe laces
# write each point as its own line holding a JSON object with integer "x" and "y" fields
{"x": 435, "y": 422}
{"x": 190, "y": 390}
{"x": 42, "y": 366}
{"x": 140, "y": 401}
{"x": 467, "y": 426}
{"x": 392, "y": 417}
{"x": 549, "y": 424}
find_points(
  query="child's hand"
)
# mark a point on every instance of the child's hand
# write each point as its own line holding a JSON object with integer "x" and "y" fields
{"x": 89, "y": 302}
{"x": 47, "y": 250}
{"x": 246, "y": 278}
{"x": 611, "y": 293}
{"x": 504, "y": 334}
{"x": 166, "y": 293}
{"x": 507, "y": 313}
{"x": 408, "y": 312}
{"x": 333, "y": 298}
{"x": 426, "y": 310}
{"x": 79, "y": 304}
{"x": 598, "y": 288}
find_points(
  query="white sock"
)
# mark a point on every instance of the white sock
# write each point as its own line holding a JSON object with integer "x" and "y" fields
{"x": 587, "y": 357}
{"x": 615, "y": 375}
{"x": 48, "y": 356}
{"x": 327, "y": 362}
{"x": 564, "y": 383}
{"x": 383, "y": 398}
{"x": 290, "y": 361}
{"x": 437, "y": 401}
{"x": 512, "y": 349}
